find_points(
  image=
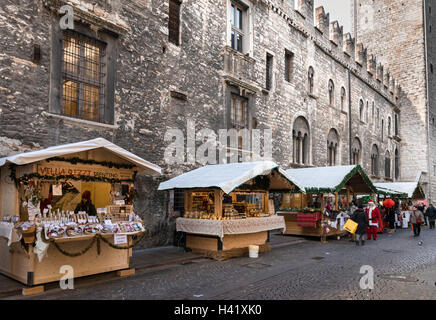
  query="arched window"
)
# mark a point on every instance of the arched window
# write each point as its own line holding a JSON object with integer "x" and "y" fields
{"x": 372, "y": 113}
{"x": 374, "y": 160}
{"x": 382, "y": 130}
{"x": 310, "y": 77}
{"x": 361, "y": 111}
{"x": 396, "y": 124}
{"x": 332, "y": 147}
{"x": 387, "y": 165}
{"x": 378, "y": 117}
{"x": 343, "y": 98}
{"x": 356, "y": 151}
{"x": 389, "y": 126}
{"x": 397, "y": 164}
{"x": 300, "y": 139}
{"x": 331, "y": 88}
{"x": 367, "y": 111}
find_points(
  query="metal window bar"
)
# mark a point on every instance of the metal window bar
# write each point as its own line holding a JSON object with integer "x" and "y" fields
{"x": 83, "y": 88}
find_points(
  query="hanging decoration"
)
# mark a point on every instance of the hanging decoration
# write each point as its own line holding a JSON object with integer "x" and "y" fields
{"x": 108, "y": 164}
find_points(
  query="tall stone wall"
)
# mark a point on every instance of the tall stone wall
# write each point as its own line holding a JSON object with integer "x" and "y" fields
{"x": 204, "y": 70}
{"x": 394, "y": 31}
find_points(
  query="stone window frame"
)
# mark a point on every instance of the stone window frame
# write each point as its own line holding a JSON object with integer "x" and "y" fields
{"x": 361, "y": 110}
{"x": 373, "y": 113}
{"x": 343, "y": 98}
{"x": 301, "y": 141}
{"x": 375, "y": 160}
{"x": 396, "y": 125}
{"x": 331, "y": 92}
{"x": 234, "y": 90}
{"x": 356, "y": 151}
{"x": 110, "y": 39}
{"x": 289, "y": 65}
{"x": 388, "y": 168}
{"x": 311, "y": 80}
{"x": 177, "y": 42}
{"x": 247, "y": 20}
{"x": 389, "y": 127}
{"x": 333, "y": 144}
{"x": 397, "y": 164}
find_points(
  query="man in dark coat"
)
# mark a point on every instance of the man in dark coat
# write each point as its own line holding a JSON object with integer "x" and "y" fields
{"x": 431, "y": 215}
{"x": 359, "y": 216}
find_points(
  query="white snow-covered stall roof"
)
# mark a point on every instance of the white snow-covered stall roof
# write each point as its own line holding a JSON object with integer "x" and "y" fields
{"x": 331, "y": 179}
{"x": 66, "y": 149}
{"x": 227, "y": 177}
{"x": 411, "y": 189}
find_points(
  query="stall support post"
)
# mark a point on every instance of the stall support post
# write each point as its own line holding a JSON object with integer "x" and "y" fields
{"x": 336, "y": 201}
{"x": 267, "y": 201}
{"x": 188, "y": 202}
{"x": 348, "y": 196}
{"x": 323, "y": 235}
{"x": 218, "y": 203}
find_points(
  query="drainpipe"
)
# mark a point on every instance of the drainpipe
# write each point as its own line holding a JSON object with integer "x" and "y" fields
{"x": 349, "y": 117}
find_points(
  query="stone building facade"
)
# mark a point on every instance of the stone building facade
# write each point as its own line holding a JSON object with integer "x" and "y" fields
{"x": 151, "y": 66}
{"x": 400, "y": 34}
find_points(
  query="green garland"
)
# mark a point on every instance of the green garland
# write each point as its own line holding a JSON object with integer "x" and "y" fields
{"x": 97, "y": 238}
{"x": 108, "y": 164}
{"x": 25, "y": 178}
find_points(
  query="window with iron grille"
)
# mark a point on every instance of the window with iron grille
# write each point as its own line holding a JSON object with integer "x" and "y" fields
{"x": 289, "y": 57}
{"x": 83, "y": 74}
{"x": 174, "y": 22}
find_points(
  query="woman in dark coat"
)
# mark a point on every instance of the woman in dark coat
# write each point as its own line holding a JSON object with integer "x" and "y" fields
{"x": 359, "y": 216}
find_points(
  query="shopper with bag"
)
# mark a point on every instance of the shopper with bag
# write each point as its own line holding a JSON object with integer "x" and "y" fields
{"x": 373, "y": 215}
{"x": 416, "y": 218}
{"x": 359, "y": 216}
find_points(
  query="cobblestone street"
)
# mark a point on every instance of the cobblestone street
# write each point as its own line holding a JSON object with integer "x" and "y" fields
{"x": 403, "y": 268}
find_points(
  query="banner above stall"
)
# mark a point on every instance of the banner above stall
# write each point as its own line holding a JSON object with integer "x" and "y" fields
{"x": 54, "y": 168}
{"x": 321, "y": 180}
{"x": 404, "y": 190}
{"x": 264, "y": 175}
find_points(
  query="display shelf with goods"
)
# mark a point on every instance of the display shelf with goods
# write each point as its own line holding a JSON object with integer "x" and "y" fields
{"x": 324, "y": 208}
{"x": 56, "y": 212}
{"x": 227, "y": 207}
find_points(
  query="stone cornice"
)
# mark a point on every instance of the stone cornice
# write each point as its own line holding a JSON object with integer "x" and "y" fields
{"x": 94, "y": 16}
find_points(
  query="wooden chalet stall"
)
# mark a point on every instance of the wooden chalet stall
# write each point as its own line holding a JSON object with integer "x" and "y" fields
{"x": 403, "y": 192}
{"x": 39, "y": 194}
{"x": 227, "y": 206}
{"x": 305, "y": 213}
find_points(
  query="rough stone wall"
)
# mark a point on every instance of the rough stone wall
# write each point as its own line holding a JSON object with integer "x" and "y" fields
{"x": 431, "y": 69}
{"x": 394, "y": 31}
{"x": 149, "y": 68}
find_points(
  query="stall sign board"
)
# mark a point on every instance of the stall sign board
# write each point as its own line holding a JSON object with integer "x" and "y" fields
{"x": 56, "y": 168}
{"x": 120, "y": 238}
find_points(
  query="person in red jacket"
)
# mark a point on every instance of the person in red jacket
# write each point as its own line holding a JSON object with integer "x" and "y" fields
{"x": 374, "y": 217}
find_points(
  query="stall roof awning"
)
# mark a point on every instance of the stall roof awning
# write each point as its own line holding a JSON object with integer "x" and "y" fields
{"x": 227, "y": 177}
{"x": 411, "y": 189}
{"x": 332, "y": 179}
{"x": 66, "y": 149}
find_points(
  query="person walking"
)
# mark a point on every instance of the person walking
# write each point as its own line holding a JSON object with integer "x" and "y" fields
{"x": 416, "y": 218}
{"x": 431, "y": 215}
{"x": 373, "y": 215}
{"x": 359, "y": 216}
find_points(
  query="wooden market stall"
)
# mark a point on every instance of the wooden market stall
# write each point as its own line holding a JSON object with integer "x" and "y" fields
{"x": 69, "y": 205}
{"x": 403, "y": 192}
{"x": 227, "y": 206}
{"x": 305, "y": 213}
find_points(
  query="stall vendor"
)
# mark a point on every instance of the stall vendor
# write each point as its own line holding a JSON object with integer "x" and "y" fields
{"x": 46, "y": 202}
{"x": 86, "y": 204}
